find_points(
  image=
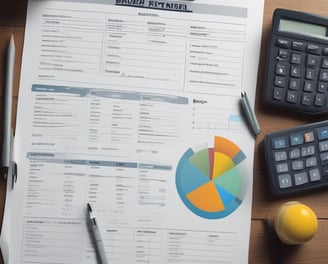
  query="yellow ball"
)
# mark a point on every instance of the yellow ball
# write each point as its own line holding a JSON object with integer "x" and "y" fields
{"x": 295, "y": 223}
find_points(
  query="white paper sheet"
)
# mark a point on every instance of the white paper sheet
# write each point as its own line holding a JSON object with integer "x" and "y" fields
{"x": 135, "y": 110}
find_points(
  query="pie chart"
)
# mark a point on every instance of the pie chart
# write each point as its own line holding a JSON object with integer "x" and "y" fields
{"x": 208, "y": 180}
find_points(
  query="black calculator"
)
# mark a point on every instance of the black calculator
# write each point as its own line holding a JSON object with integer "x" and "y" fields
{"x": 297, "y": 158}
{"x": 296, "y": 75}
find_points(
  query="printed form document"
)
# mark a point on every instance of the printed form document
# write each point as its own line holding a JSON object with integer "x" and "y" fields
{"x": 133, "y": 106}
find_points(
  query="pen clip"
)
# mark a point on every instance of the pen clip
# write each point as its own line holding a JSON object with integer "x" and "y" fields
{"x": 12, "y": 165}
{"x": 91, "y": 216}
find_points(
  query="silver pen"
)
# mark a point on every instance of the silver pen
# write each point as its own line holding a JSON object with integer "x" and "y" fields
{"x": 250, "y": 114}
{"x": 7, "y": 129}
{"x": 99, "y": 245}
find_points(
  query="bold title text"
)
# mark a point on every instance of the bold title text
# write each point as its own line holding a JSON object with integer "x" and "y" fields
{"x": 152, "y": 4}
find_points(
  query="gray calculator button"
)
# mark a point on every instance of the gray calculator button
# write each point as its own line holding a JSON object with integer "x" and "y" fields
{"x": 300, "y": 178}
{"x": 324, "y": 170}
{"x": 284, "y": 180}
{"x": 297, "y": 165}
{"x": 325, "y": 51}
{"x": 283, "y": 53}
{"x": 280, "y": 81}
{"x": 323, "y": 75}
{"x": 280, "y": 155}
{"x": 323, "y": 146}
{"x": 296, "y": 58}
{"x": 324, "y": 156}
{"x": 292, "y": 96}
{"x": 312, "y": 61}
{"x": 295, "y": 153}
{"x": 296, "y": 139}
{"x": 294, "y": 84}
{"x": 308, "y": 151}
{"x": 281, "y": 69}
{"x": 279, "y": 143}
{"x": 278, "y": 93}
{"x": 324, "y": 63}
{"x": 284, "y": 43}
{"x": 314, "y": 174}
{"x": 308, "y": 86}
{"x": 310, "y": 74}
{"x": 295, "y": 71}
{"x": 319, "y": 99}
{"x": 314, "y": 49}
{"x": 282, "y": 167}
{"x": 307, "y": 98}
{"x": 311, "y": 162}
{"x": 322, "y": 87}
{"x": 298, "y": 45}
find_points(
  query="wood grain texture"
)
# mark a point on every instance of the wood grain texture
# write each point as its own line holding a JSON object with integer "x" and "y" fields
{"x": 12, "y": 20}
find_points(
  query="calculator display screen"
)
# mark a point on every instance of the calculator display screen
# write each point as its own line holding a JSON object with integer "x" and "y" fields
{"x": 303, "y": 28}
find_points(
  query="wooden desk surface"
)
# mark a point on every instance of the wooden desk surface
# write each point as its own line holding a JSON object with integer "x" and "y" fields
{"x": 12, "y": 19}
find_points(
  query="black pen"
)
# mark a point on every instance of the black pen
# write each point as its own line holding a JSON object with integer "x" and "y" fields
{"x": 99, "y": 245}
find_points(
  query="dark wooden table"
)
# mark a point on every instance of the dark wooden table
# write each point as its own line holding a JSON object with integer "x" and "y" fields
{"x": 12, "y": 19}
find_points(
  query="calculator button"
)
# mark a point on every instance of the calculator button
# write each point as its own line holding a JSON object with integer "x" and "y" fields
{"x": 319, "y": 99}
{"x": 297, "y": 45}
{"x": 325, "y": 171}
{"x": 280, "y": 81}
{"x": 294, "y": 84}
{"x": 323, "y": 75}
{"x": 295, "y": 71}
{"x": 308, "y": 86}
{"x": 283, "y": 43}
{"x": 283, "y": 53}
{"x": 296, "y": 139}
{"x": 278, "y": 93}
{"x": 314, "y": 175}
{"x": 300, "y": 178}
{"x": 279, "y": 143}
{"x": 292, "y": 97}
{"x": 313, "y": 49}
{"x": 323, "y": 146}
{"x": 310, "y": 74}
{"x": 295, "y": 153}
{"x": 322, "y": 87}
{"x": 324, "y": 156}
{"x": 280, "y": 156}
{"x": 325, "y": 51}
{"x": 284, "y": 180}
{"x": 307, "y": 99}
{"x": 296, "y": 58}
{"x": 322, "y": 132}
{"x": 297, "y": 165}
{"x": 281, "y": 69}
{"x": 308, "y": 136}
{"x": 311, "y": 162}
{"x": 312, "y": 61}
{"x": 308, "y": 151}
{"x": 282, "y": 167}
{"x": 324, "y": 63}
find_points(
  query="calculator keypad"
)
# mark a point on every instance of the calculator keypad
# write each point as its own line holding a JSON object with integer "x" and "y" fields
{"x": 297, "y": 158}
{"x": 300, "y": 75}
